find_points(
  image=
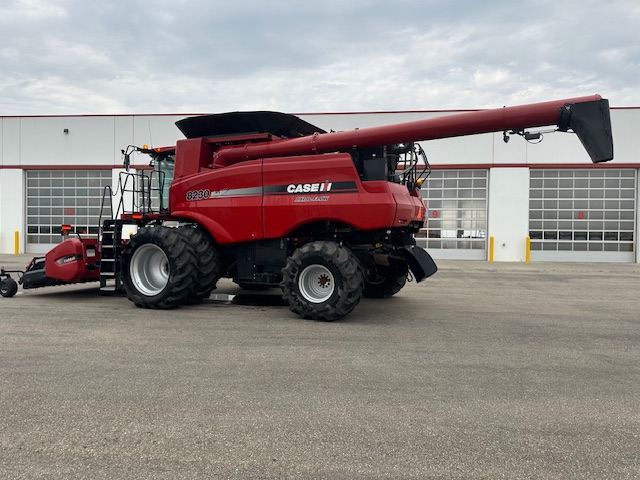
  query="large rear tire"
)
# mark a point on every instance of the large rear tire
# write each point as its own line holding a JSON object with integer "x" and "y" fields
{"x": 384, "y": 284}
{"x": 322, "y": 280}
{"x": 255, "y": 287}
{"x": 159, "y": 268}
{"x": 208, "y": 265}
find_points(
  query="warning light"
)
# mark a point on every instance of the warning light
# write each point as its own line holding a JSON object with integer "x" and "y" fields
{"x": 145, "y": 146}
{"x": 65, "y": 230}
{"x": 419, "y": 182}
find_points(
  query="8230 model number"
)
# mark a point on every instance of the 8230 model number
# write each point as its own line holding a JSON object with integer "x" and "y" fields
{"x": 198, "y": 194}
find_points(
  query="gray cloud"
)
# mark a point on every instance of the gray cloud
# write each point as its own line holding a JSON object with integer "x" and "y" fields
{"x": 142, "y": 56}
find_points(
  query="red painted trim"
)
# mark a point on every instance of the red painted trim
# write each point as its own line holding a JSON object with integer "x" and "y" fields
{"x": 453, "y": 110}
{"x": 461, "y": 166}
{"x": 383, "y": 112}
{"x": 72, "y": 167}
{"x": 371, "y": 112}
{"x": 445, "y": 166}
{"x": 586, "y": 165}
{"x": 103, "y": 115}
{"x": 58, "y": 167}
{"x": 551, "y": 166}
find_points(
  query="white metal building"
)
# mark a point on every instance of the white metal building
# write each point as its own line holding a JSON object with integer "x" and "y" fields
{"x": 53, "y": 171}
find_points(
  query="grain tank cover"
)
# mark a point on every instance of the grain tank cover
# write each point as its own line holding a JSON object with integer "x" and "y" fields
{"x": 238, "y": 123}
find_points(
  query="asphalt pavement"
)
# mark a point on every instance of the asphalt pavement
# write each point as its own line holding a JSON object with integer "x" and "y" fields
{"x": 484, "y": 371}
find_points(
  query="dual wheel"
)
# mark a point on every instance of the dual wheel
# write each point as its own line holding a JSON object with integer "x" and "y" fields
{"x": 165, "y": 267}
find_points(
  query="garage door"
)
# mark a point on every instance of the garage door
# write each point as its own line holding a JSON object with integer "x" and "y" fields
{"x": 60, "y": 197}
{"x": 457, "y": 223}
{"x": 582, "y": 215}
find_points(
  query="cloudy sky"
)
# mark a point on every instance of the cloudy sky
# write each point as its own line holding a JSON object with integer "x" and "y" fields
{"x": 207, "y": 56}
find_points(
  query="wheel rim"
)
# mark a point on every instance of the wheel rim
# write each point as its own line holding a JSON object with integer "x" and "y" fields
{"x": 149, "y": 269}
{"x": 316, "y": 283}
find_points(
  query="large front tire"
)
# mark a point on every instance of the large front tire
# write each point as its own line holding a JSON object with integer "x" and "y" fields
{"x": 322, "y": 280}
{"x": 159, "y": 268}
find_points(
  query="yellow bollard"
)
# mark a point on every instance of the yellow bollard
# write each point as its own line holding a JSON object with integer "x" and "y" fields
{"x": 17, "y": 241}
{"x": 528, "y": 251}
{"x": 491, "y": 244}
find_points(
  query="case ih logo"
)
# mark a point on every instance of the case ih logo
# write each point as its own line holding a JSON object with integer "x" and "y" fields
{"x": 309, "y": 187}
{"x": 326, "y": 187}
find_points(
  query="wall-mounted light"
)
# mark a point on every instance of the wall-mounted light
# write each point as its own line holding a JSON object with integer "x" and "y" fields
{"x": 66, "y": 130}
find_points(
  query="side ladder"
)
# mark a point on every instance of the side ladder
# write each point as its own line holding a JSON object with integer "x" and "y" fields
{"x": 110, "y": 257}
{"x": 142, "y": 192}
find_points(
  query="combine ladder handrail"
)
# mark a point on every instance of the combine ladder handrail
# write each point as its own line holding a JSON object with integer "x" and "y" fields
{"x": 139, "y": 186}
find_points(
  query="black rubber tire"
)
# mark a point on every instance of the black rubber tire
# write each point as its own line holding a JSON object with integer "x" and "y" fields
{"x": 8, "y": 287}
{"x": 253, "y": 287}
{"x": 181, "y": 267}
{"x": 388, "y": 284}
{"x": 208, "y": 264}
{"x": 340, "y": 264}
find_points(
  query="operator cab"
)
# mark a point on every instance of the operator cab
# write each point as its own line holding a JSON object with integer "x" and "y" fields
{"x": 163, "y": 167}
{"x": 150, "y": 188}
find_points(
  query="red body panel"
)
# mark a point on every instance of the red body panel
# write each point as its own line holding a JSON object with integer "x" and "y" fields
{"x": 335, "y": 193}
{"x": 74, "y": 260}
{"x": 267, "y": 199}
{"x": 196, "y": 148}
{"x": 227, "y": 202}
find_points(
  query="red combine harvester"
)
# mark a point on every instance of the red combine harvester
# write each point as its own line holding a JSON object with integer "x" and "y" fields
{"x": 269, "y": 200}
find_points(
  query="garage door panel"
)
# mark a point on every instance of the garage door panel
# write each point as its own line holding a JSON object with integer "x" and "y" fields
{"x": 57, "y": 197}
{"x": 457, "y": 203}
{"x": 593, "y": 220}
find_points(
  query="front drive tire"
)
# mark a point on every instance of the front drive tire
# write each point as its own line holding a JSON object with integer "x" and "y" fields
{"x": 322, "y": 280}
{"x": 159, "y": 268}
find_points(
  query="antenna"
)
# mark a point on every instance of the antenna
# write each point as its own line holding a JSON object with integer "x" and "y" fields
{"x": 150, "y": 137}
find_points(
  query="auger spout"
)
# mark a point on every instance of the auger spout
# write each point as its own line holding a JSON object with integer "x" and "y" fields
{"x": 587, "y": 116}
